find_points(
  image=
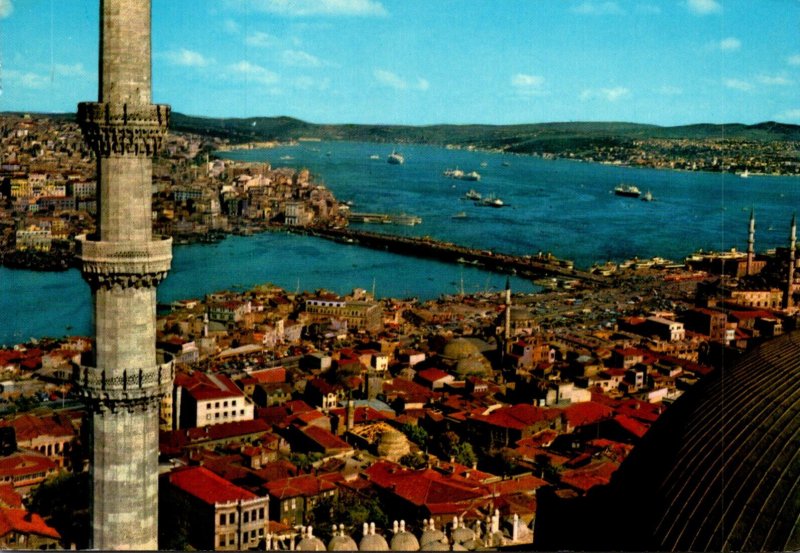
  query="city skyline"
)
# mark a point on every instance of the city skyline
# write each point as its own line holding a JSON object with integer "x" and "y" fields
{"x": 389, "y": 62}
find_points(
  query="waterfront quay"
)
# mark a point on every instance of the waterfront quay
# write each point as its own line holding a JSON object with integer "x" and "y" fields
{"x": 540, "y": 265}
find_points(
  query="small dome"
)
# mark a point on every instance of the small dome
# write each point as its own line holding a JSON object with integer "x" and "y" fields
{"x": 405, "y": 541}
{"x": 393, "y": 445}
{"x": 342, "y": 543}
{"x": 430, "y": 536}
{"x": 311, "y": 543}
{"x": 373, "y": 542}
{"x": 436, "y": 546}
{"x": 463, "y": 534}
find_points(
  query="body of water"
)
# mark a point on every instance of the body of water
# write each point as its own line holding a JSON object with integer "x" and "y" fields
{"x": 565, "y": 207}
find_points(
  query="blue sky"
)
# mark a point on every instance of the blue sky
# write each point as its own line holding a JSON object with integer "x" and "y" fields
{"x": 666, "y": 62}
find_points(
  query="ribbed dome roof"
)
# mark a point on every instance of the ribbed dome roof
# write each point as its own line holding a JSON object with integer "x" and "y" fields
{"x": 373, "y": 542}
{"x": 460, "y": 348}
{"x": 404, "y": 541}
{"x": 342, "y": 543}
{"x": 720, "y": 470}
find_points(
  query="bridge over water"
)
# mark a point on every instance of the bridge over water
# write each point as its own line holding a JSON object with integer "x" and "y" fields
{"x": 527, "y": 266}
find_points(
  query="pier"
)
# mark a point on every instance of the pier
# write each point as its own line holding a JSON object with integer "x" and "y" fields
{"x": 384, "y": 218}
{"x": 526, "y": 266}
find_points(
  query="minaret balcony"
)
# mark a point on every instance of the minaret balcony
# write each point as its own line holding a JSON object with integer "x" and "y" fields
{"x": 106, "y": 385}
{"x": 123, "y": 129}
{"x": 127, "y": 264}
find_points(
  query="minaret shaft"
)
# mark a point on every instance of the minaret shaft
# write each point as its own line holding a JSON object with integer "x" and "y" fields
{"x": 123, "y": 264}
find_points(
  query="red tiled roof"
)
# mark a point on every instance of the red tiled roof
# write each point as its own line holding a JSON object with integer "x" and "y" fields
{"x": 424, "y": 487}
{"x": 24, "y": 463}
{"x": 518, "y": 416}
{"x": 306, "y": 485}
{"x": 433, "y": 374}
{"x": 324, "y": 438}
{"x": 587, "y": 412}
{"x": 24, "y": 522}
{"x": 277, "y": 374}
{"x": 28, "y": 426}
{"x": 589, "y": 476}
{"x": 9, "y": 497}
{"x": 207, "y": 486}
{"x": 524, "y": 484}
{"x": 631, "y": 425}
{"x": 204, "y": 387}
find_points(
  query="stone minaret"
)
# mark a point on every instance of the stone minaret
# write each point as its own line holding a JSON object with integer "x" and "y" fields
{"x": 751, "y": 243}
{"x": 123, "y": 263}
{"x": 507, "y": 315}
{"x": 787, "y": 293}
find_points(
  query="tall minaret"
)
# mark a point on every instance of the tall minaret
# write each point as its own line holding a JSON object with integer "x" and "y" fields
{"x": 751, "y": 244}
{"x": 787, "y": 293}
{"x": 123, "y": 263}
{"x": 507, "y": 316}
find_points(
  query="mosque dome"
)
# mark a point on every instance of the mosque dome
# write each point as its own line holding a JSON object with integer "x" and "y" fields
{"x": 310, "y": 542}
{"x": 462, "y": 534}
{"x": 435, "y": 546}
{"x": 431, "y": 535}
{"x": 404, "y": 541}
{"x": 372, "y": 541}
{"x": 719, "y": 471}
{"x": 393, "y": 444}
{"x": 476, "y": 365}
{"x": 460, "y": 348}
{"x": 341, "y": 542}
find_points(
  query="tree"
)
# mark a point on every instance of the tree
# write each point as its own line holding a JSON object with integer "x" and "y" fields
{"x": 63, "y": 501}
{"x": 464, "y": 454}
{"x": 414, "y": 460}
{"x": 349, "y": 510}
{"x": 415, "y": 433}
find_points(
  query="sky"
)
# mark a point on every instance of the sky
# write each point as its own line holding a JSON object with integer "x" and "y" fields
{"x": 421, "y": 62}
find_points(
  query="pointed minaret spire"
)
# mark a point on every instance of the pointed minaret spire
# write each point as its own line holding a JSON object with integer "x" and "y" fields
{"x": 751, "y": 243}
{"x": 787, "y": 293}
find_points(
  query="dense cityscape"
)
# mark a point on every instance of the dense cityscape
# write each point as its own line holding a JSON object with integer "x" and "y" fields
{"x": 295, "y": 410}
{"x": 644, "y": 404}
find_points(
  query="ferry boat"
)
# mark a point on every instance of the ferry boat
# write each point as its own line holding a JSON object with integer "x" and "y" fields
{"x": 492, "y": 201}
{"x": 627, "y": 190}
{"x": 472, "y": 194}
{"x": 395, "y": 158}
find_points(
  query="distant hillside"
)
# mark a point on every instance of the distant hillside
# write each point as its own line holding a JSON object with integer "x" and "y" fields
{"x": 542, "y": 137}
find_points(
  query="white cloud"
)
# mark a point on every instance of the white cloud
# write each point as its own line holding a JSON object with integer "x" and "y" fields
{"x": 6, "y": 8}
{"x": 392, "y": 80}
{"x": 793, "y": 60}
{"x": 186, "y": 58}
{"x": 309, "y": 83}
{"x": 26, "y": 79}
{"x": 589, "y": 7}
{"x": 669, "y": 90}
{"x": 738, "y": 84}
{"x": 230, "y": 26}
{"x": 789, "y": 115}
{"x": 608, "y": 94}
{"x": 76, "y": 70}
{"x": 730, "y": 44}
{"x": 299, "y": 58}
{"x": 703, "y": 7}
{"x": 774, "y": 80}
{"x": 262, "y": 40}
{"x": 254, "y": 72}
{"x": 528, "y": 85}
{"x": 303, "y": 8}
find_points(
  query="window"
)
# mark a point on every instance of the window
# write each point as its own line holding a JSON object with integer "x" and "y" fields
{"x": 233, "y": 403}
{"x": 261, "y": 513}
{"x": 224, "y": 403}
{"x": 246, "y": 517}
{"x": 222, "y": 518}
{"x": 231, "y": 518}
{"x": 216, "y": 415}
{"x": 222, "y": 541}
{"x": 216, "y": 405}
{"x": 241, "y": 412}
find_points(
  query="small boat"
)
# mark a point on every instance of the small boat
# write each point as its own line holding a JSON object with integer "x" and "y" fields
{"x": 374, "y": 156}
{"x": 745, "y": 174}
{"x": 454, "y": 173}
{"x": 472, "y": 175}
{"x": 460, "y": 215}
{"x": 484, "y": 164}
{"x": 648, "y": 197}
{"x": 472, "y": 194}
{"x": 395, "y": 158}
{"x": 627, "y": 190}
{"x": 286, "y": 158}
{"x": 506, "y": 164}
{"x": 492, "y": 201}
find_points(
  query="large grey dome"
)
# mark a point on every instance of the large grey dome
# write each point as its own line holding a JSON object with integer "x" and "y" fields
{"x": 719, "y": 471}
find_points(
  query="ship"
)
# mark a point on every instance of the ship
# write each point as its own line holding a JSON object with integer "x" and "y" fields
{"x": 492, "y": 201}
{"x": 395, "y": 158}
{"x": 454, "y": 173}
{"x": 627, "y": 190}
{"x": 473, "y": 195}
{"x": 648, "y": 197}
{"x": 472, "y": 175}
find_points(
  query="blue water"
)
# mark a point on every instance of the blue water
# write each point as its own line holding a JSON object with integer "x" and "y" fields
{"x": 560, "y": 206}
